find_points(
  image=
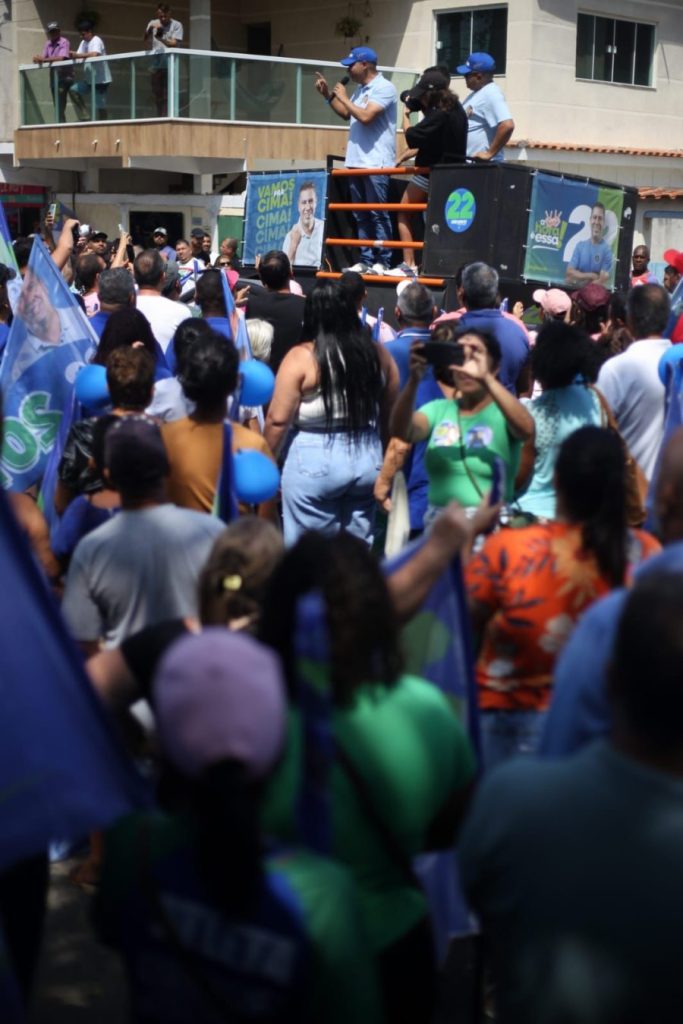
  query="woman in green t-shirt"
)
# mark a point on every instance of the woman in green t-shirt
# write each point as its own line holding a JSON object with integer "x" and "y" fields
{"x": 467, "y": 433}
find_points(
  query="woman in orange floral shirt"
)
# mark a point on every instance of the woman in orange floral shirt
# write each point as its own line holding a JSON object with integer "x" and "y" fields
{"x": 528, "y": 587}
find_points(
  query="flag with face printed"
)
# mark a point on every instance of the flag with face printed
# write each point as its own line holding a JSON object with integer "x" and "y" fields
{"x": 49, "y": 340}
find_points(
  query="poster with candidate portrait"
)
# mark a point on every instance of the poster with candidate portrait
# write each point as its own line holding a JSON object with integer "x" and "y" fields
{"x": 573, "y": 231}
{"x": 286, "y": 211}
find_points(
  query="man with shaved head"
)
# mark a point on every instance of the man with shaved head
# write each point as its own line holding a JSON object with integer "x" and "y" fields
{"x": 579, "y": 710}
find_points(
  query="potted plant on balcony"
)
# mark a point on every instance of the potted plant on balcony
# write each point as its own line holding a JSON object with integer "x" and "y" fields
{"x": 348, "y": 26}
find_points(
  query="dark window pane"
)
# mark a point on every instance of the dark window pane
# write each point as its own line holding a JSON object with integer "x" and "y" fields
{"x": 645, "y": 47}
{"x": 463, "y": 32}
{"x": 489, "y": 34}
{"x": 625, "y": 41}
{"x": 584, "y": 46}
{"x": 604, "y": 32}
{"x": 454, "y": 36}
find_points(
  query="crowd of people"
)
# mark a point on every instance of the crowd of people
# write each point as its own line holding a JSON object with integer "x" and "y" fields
{"x": 518, "y": 454}
{"x": 257, "y": 664}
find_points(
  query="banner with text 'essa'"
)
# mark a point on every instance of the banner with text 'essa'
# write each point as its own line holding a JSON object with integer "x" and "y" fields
{"x": 560, "y": 232}
{"x": 49, "y": 340}
{"x": 62, "y": 770}
{"x": 285, "y": 211}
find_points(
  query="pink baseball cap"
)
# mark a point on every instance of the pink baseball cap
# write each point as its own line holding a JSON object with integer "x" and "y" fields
{"x": 220, "y": 695}
{"x": 554, "y": 301}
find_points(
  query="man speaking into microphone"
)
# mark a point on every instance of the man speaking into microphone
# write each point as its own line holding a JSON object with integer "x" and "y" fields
{"x": 371, "y": 111}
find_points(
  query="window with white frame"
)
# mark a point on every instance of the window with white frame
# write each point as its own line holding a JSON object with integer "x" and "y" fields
{"x": 474, "y": 30}
{"x": 613, "y": 50}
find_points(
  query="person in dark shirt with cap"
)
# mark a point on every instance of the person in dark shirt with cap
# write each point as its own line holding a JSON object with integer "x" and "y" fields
{"x": 490, "y": 122}
{"x": 439, "y": 137}
{"x": 56, "y": 49}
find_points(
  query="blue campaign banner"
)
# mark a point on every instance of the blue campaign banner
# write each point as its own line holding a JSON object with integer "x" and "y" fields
{"x": 49, "y": 340}
{"x": 286, "y": 211}
{"x": 62, "y": 770}
{"x": 573, "y": 231}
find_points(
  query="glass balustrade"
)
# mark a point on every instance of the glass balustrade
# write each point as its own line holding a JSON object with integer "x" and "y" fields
{"x": 186, "y": 84}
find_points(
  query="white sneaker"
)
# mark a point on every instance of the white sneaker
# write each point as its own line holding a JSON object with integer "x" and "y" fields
{"x": 379, "y": 268}
{"x": 360, "y": 268}
{"x": 403, "y": 270}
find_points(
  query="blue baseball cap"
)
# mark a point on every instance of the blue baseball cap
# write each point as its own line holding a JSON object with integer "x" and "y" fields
{"x": 477, "y": 62}
{"x": 365, "y": 53}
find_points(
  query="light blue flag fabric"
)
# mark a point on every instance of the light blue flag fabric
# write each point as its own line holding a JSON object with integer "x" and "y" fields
{"x": 673, "y": 419}
{"x": 62, "y": 771}
{"x": 50, "y": 339}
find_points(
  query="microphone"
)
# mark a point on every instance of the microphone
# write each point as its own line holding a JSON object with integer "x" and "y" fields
{"x": 345, "y": 80}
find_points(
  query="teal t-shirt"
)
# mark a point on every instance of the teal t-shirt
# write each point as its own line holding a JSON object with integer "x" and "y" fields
{"x": 410, "y": 749}
{"x": 461, "y": 452}
{"x": 557, "y": 413}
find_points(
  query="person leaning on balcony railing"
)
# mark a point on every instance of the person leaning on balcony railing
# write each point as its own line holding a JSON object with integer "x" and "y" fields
{"x": 162, "y": 32}
{"x": 56, "y": 49}
{"x": 91, "y": 46}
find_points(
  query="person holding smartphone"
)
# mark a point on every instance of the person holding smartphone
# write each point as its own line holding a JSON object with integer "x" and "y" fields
{"x": 466, "y": 432}
{"x": 162, "y": 32}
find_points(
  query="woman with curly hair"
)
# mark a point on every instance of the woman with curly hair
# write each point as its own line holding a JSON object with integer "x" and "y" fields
{"x": 564, "y": 362}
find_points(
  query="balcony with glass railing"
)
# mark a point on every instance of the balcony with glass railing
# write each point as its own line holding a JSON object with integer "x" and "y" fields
{"x": 195, "y": 85}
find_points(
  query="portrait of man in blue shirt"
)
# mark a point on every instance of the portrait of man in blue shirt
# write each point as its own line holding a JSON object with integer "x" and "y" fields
{"x": 592, "y": 258}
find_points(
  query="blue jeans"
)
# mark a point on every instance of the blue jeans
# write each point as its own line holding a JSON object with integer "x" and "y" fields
{"x": 506, "y": 734}
{"x": 374, "y": 224}
{"x": 327, "y": 484}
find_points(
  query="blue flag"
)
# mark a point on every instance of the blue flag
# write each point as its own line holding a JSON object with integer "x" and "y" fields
{"x": 437, "y": 646}
{"x": 62, "y": 772}
{"x": 6, "y": 248}
{"x": 225, "y": 502}
{"x": 673, "y": 419}
{"x": 314, "y": 699}
{"x": 49, "y": 340}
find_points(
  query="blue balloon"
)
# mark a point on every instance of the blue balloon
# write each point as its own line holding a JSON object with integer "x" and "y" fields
{"x": 91, "y": 387}
{"x": 256, "y": 478}
{"x": 258, "y": 382}
{"x": 672, "y": 357}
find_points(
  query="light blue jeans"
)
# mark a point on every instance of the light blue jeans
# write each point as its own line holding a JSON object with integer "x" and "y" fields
{"x": 506, "y": 734}
{"x": 327, "y": 484}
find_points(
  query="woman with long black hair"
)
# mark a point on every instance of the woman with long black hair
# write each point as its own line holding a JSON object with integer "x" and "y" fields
{"x": 335, "y": 390}
{"x": 400, "y": 767}
{"x": 528, "y": 587}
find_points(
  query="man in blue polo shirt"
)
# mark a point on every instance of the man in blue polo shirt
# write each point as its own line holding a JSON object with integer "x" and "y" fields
{"x": 371, "y": 111}
{"x": 490, "y": 123}
{"x": 592, "y": 258}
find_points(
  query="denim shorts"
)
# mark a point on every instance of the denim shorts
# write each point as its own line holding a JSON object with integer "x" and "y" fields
{"x": 327, "y": 484}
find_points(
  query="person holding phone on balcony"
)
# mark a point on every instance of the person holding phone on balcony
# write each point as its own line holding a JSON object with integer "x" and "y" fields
{"x": 91, "y": 46}
{"x": 162, "y": 32}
